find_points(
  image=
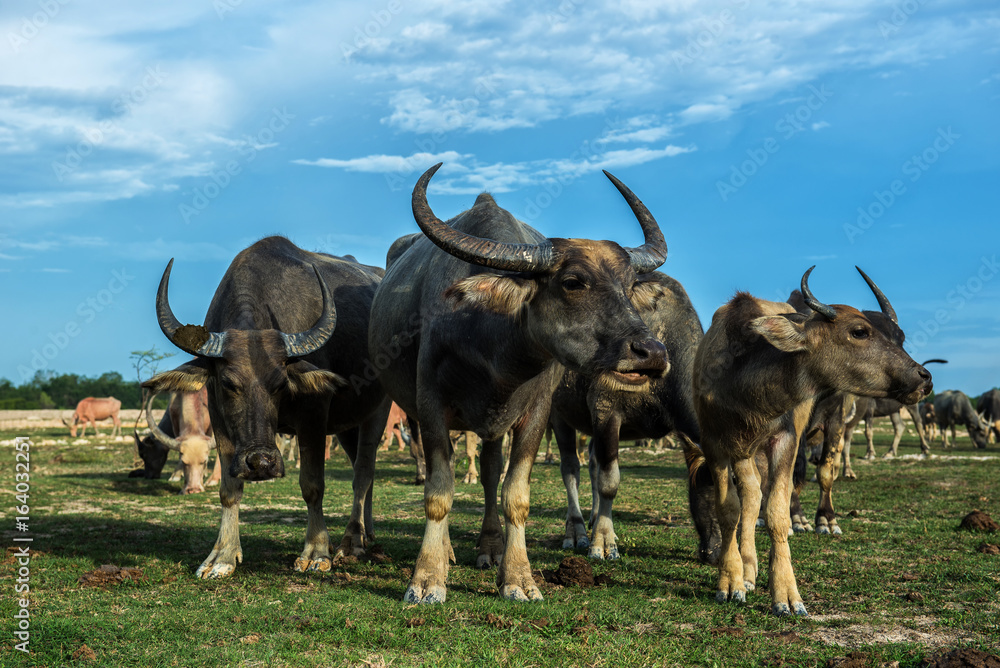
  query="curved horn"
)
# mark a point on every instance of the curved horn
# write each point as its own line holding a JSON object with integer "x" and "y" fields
{"x": 158, "y": 434}
{"x": 193, "y": 339}
{"x": 883, "y": 301}
{"x": 475, "y": 250}
{"x": 934, "y": 361}
{"x": 811, "y": 300}
{"x": 653, "y": 253}
{"x": 303, "y": 343}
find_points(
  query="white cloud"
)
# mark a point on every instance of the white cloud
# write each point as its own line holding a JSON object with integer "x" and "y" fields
{"x": 386, "y": 164}
{"x": 820, "y": 125}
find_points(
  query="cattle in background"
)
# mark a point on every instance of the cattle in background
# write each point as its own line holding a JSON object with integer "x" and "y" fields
{"x": 472, "y": 349}
{"x": 988, "y": 406}
{"x": 953, "y": 408}
{"x": 92, "y": 410}
{"x": 395, "y": 426}
{"x": 186, "y": 429}
{"x": 758, "y": 373}
{"x": 929, "y": 419}
{"x": 610, "y": 413}
{"x": 284, "y": 332}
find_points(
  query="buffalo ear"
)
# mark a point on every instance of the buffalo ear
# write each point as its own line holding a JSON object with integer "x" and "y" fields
{"x": 305, "y": 378}
{"x": 188, "y": 377}
{"x": 646, "y": 294}
{"x": 780, "y": 332}
{"x": 504, "y": 295}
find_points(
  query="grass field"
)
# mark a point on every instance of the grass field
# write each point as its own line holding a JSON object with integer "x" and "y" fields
{"x": 902, "y": 583}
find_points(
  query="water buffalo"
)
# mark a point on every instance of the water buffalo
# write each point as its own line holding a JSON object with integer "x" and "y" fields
{"x": 988, "y": 406}
{"x": 467, "y": 348}
{"x": 93, "y": 409}
{"x": 395, "y": 425}
{"x": 610, "y": 413}
{"x": 757, "y": 375}
{"x": 929, "y": 419}
{"x": 187, "y": 430}
{"x": 284, "y": 331}
{"x": 953, "y": 408}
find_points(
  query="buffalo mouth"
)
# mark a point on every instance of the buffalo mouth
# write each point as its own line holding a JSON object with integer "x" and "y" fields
{"x": 630, "y": 380}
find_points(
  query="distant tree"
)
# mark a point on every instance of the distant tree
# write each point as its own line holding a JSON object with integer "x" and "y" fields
{"x": 144, "y": 361}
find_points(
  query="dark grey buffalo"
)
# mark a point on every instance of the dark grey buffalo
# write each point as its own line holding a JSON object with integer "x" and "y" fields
{"x": 988, "y": 406}
{"x": 610, "y": 411}
{"x": 285, "y": 330}
{"x": 472, "y": 327}
{"x": 953, "y": 408}
{"x": 758, "y": 374}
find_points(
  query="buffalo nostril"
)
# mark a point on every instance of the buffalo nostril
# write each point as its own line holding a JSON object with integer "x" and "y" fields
{"x": 648, "y": 348}
{"x": 924, "y": 374}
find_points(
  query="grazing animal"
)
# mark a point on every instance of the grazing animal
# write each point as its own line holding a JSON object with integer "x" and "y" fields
{"x": 186, "y": 429}
{"x": 929, "y": 419}
{"x": 467, "y": 348}
{"x": 609, "y": 413}
{"x": 758, "y": 373}
{"x": 953, "y": 408}
{"x": 988, "y": 407}
{"x": 92, "y": 410}
{"x": 395, "y": 426}
{"x": 284, "y": 331}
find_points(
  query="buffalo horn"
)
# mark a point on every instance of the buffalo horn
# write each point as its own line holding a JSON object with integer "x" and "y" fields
{"x": 475, "y": 250}
{"x": 883, "y": 301}
{"x": 158, "y": 434}
{"x": 810, "y": 299}
{"x": 653, "y": 252}
{"x": 210, "y": 347}
{"x": 303, "y": 343}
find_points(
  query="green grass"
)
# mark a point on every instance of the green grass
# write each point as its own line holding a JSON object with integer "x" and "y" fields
{"x": 900, "y": 583}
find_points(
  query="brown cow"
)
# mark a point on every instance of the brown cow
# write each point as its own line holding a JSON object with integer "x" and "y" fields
{"x": 758, "y": 372}
{"x": 90, "y": 410}
{"x": 394, "y": 427}
{"x": 191, "y": 437}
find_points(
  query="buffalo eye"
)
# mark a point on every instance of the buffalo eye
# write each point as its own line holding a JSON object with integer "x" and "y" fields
{"x": 229, "y": 386}
{"x": 573, "y": 283}
{"x": 860, "y": 333}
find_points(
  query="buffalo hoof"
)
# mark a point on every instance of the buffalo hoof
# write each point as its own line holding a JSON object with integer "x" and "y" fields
{"x": 515, "y": 593}
{"x": 598, "y": 553}
{"x": 783, "y": 609}
{"x": 761, "y": 523}
{"x": 138, "y": 473}
{"x": 823, "y": 530}
{"x": 850, "y": 475}
{"x": 435, "y": 594}
{"x": 214, "y": 571}
{"x": 321, "y": 565}
{"x": 736, "y": 597}
{"x": 470, "y": 479}
{"x": 888, "y": 455}
{"x": 576, "y": 535}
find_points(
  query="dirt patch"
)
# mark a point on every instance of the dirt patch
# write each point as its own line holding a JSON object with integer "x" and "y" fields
{"x": 860, "y": 635}
{"x": 977, "y": 520}
{"x": 109, "y": 574}
{"x": 572, "y": 571}
{"x": 852, "y": 660}
{"x": 84, "y": 653}
{"x": 989, "y": 548}
{"x": 962, "y": 658}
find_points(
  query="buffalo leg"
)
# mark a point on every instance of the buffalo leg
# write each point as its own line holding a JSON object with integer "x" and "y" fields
{"x": 829, "y": 465}
{"x": 491, "y": 539}
{"x": 360, "y": 530}
{"x": 870, "y": 438}
{"x": 316, "y": 553}
{"x": 605, "y": 478}
{"x": 897, "y": 428}
{"x": 785, "y": 597}
{"x": 417, "y": 451}
{"x": 731, "y": 585}
{"x": 472, "y": 476}
{"x": 227, "y": 551}
{"x": 514, "y": 577}
{"x": 431, "y": 570}
{"x": 569, "y": 466}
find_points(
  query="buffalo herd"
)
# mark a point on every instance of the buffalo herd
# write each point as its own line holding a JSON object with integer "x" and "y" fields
{"x": 482, "y": 324}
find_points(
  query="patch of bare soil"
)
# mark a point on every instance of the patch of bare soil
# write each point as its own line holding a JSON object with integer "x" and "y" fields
{"x": 84, "y": 653}
{"x": 109, "y": 574}
{"x": 977, "y": 520}
{"x": 852, "y": 660}
{"x": 962, "y": 658}
{"x": 859, "y": 635}
{"x": 989, "y": 548}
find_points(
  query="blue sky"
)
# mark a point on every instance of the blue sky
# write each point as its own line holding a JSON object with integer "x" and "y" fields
{"x": 765, "y": 138}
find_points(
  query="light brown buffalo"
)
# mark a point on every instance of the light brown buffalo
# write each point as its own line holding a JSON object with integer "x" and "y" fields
{"x": 93, "y": 409}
